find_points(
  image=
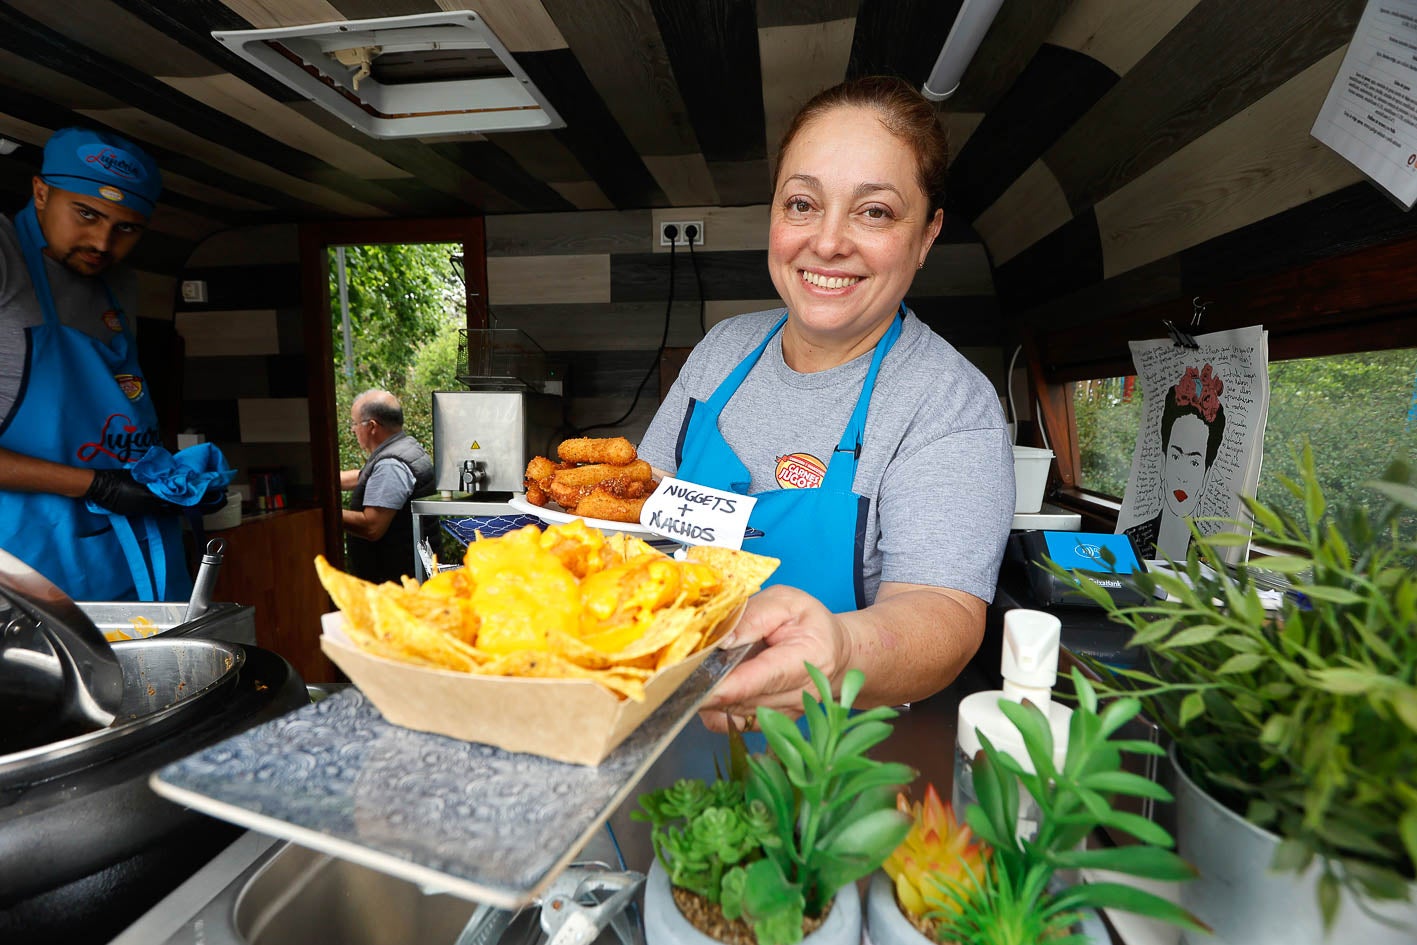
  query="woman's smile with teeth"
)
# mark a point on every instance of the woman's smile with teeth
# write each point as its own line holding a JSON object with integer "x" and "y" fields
{"x": 828, "y": 282}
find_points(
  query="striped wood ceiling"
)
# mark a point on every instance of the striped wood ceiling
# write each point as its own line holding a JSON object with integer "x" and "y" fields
{"x": 1111, "y": 151}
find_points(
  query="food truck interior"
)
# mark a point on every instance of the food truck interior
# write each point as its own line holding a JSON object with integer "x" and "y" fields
{"x": 1115, "y": 166}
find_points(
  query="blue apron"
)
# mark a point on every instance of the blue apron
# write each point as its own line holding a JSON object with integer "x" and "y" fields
{"x": 82, "y": 402}
{"x": 818, "y": 534}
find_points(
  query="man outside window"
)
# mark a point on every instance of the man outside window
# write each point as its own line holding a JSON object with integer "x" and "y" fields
{"x": 379, "y": 521}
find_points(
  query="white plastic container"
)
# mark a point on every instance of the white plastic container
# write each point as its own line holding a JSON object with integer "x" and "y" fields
{"x": 228, "y": 516}
{"x": 1030, "y": 668}
{"x": 1030, "y": 477}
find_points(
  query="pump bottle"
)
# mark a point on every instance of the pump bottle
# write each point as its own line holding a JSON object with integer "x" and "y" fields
{"x": 1030, "y": 668}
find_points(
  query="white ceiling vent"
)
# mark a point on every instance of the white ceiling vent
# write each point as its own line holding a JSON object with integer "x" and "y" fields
{"x": 425, "y": 75}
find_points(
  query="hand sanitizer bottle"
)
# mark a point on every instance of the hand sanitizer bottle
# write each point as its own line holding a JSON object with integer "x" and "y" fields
{"x": 1030, "y": 668}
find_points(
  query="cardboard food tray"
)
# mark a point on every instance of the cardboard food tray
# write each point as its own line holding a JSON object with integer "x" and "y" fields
{"x": 573, "y": 720}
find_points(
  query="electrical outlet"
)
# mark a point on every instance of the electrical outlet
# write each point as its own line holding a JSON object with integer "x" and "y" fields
{"x": 682, "y": 239}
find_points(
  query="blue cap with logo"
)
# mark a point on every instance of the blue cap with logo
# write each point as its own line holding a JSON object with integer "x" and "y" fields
{"x": 104, "y": 165}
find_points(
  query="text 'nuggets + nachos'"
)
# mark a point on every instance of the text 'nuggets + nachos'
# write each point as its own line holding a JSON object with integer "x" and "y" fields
{"x": 555, "y": 642}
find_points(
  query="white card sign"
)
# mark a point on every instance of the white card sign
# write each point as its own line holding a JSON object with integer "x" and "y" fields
{"x": 1370, "y": 114}
{"x": 697, "y": 515}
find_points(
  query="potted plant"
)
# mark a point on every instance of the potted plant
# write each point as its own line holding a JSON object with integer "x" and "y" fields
{"x": 1012, "y": 892}
{"x": 770, "y": 853}
{"x": 1294, "y": 729}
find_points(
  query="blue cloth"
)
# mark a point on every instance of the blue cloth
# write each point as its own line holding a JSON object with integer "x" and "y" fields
{"x": 104, "y": 165}
{"x": 187, "y": 477}
{"x": 818, "y": 534}
{"x": 84, "y": 403}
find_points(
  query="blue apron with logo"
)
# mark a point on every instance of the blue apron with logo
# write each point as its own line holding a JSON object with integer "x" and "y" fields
{"x": 83, "y": 403}
{"x": 818, "y": 534}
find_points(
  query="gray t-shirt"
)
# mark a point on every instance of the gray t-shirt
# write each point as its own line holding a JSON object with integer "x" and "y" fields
{"x": 390, "y": 484}
{"x": 80, "y": 301}
{"x": 936, "y": 463}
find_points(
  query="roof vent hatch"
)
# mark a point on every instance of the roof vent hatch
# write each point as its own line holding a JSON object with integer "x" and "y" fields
{"x": 426, "y": 75}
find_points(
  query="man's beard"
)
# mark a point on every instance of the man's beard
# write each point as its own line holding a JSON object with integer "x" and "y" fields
{"x": 73, "y": 260}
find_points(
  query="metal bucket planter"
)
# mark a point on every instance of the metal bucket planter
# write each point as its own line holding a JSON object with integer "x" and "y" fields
{"x": 1246, "y": 904}
{"x": 887, "y": 925}
{"x": 665, "y": 925}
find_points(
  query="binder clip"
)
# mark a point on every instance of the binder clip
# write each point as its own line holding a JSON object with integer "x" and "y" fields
{"x": 1180, "y": 337}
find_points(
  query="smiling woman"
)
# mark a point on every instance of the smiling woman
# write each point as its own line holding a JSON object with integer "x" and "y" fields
{"x": 891, "y": 547}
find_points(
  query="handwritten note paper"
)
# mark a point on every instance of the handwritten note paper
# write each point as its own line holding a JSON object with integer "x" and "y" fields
{"x": 1370, "y": 113}
{"x": 1201, "y": 438}
{"x": 697, "y": 515}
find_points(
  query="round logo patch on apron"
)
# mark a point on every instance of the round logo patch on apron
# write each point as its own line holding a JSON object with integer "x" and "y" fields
{"x": 800, "y": 471}
{"x": 111, "y": 320}
{"x": 130, "y": 384}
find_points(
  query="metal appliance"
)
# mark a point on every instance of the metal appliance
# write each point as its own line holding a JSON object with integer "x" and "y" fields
{"x": 484, "y": 436}
{"x": 482, "y": 439}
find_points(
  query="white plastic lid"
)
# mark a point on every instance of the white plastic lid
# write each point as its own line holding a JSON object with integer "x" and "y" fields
{"x": 1030, "y": 651}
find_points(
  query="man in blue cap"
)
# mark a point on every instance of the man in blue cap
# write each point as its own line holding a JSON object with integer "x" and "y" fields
{"x": 75, "y": 410}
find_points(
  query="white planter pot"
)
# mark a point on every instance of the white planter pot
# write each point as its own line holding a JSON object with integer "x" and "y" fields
{"x": 665, "y": 925}
{"x": 1245, "y": 904}
{"x": 887, "y": 925}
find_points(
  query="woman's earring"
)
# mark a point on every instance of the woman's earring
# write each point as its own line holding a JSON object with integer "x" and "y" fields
{"x": 919, "y": 265}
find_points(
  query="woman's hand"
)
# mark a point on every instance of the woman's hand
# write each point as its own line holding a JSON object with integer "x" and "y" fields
{"x": 797, "y": 629}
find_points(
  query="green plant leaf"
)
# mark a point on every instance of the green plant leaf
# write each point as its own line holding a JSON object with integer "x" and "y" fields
{"x": 1241, "y": 663}
{"x": 784, "y": 739}
{"x": 850, "y": 686}
{"x": 1138, "y": 826}
{"x": 1129, "y": 899}
{"x": 1227, "y": 539}
{"x": 861, "y": 738}
{"x": 876, "y": 834}
{"x": 1399, "y": 493}
{"x": 1124, "y": 782}
{"x": 1037, "y": 735}
{"x": 1348, "y": 681}
{"x": 1193, "y": 636}
{"x": 1192, "y": 707}
{"x": 1291, "y": 856}
{"x": 1146, "y": 862}
{"x": 1332, "y": 595}
{"x": 1328, "y": 898}
{"x": 1404, "y": 703}
{"x": 1283, "y": 564}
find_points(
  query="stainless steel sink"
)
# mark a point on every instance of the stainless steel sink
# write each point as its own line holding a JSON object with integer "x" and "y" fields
{"x": 306, "y": 898}
{"x": 262, "y": 891}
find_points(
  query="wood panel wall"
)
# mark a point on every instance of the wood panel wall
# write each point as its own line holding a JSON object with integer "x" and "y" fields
{"x": 593, "y": 289}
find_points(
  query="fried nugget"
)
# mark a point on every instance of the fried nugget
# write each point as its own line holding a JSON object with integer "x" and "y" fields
{"x": 598, "y": 472}
{"x": 616, "y": 451}
{"x": 600, "y": 504}
{"x": 539, "y": 470}
{"x": 622, "y": 488}
{"x": 535, "y": 494}
{"x": 568, "y": 497}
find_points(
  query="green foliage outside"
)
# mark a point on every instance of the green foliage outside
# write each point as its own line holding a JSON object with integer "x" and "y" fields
{"x": 405, "y": 309}
{"x": 1353, "y": 409}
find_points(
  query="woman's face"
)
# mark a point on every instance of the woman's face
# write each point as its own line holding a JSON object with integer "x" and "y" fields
{"x": 850, "y": 224}
{"x": 1183, "y": 468}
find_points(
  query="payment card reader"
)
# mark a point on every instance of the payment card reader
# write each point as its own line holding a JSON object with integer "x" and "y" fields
{"x": 1081, "y": 553}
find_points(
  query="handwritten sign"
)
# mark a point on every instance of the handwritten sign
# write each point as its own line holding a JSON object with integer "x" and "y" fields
{"x": 697, "y": 515}
{"x": 1239, "y": 358}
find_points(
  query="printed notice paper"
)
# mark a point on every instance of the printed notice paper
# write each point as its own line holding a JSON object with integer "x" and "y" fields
{"x": 1201, "y": 438}
{"x": 1370, "y": 114}
{"x": 697, "y": 515}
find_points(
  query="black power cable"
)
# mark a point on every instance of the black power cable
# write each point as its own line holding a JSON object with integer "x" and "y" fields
{"x": 691, "y": 233}
{"x": 672, "y": 232}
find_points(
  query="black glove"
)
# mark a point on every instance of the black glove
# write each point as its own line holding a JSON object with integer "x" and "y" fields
{"x": 117, "y": 491}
